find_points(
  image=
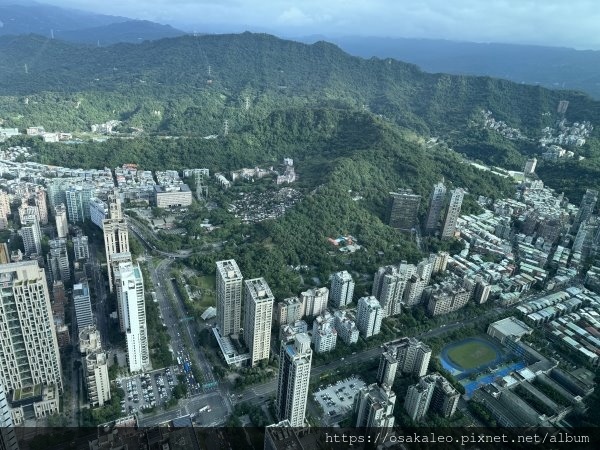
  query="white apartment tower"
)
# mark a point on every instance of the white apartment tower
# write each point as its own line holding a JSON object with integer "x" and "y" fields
{"x": 324, "y": 334}
{"x": 4, "y": 209}
{"x": 413, "y": 355}
{"x": 314, "y": 301}
{"x": 96, "y": 366}
{"x": 388, "y": 366}
{"x": 60, "y": 217}
{"x": 389, "y": 283}
{"x": 28, "y": 341}
{"x": 342, "y": 289}
{"x": 31, "y": 235}
{"x": 83, "y": 305}
{"x": 293, "y": 379}
{"x": 452, "y": 213}
{"x": 130, "y": 296}
{"x": 58, "y": 260}
{"x": 258, "y": 314}
{"x": 229, "y": 297}
{"x": 369, "y": 316}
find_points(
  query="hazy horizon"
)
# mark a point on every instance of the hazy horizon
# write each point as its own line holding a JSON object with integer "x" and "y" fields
{"x": 549, "y": 23}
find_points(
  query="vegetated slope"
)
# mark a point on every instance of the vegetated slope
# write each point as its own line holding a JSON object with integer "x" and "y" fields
{"x": 274, "y": 70}
{"x": 551, "y": 67}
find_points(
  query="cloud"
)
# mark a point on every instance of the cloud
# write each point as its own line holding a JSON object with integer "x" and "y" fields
{"x": 294, "y": 16}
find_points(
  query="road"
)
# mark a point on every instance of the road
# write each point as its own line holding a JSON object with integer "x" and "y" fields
{"x": 259, "y": 393}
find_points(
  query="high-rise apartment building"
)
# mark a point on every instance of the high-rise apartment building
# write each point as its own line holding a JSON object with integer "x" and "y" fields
{"x": 95, "y": 361}
{"x": 130, "y": 296}
{"x": 368, "y": 317}
{"x": 31, "y": 235}
{"x": 116, "y": 240}
{"x": 586, "y": 208}
{"x": 4, "y": 209}
{"x": 81, "y": 248}
{"x": 29, "y": 355}
{"x": 83, "y": 305}
{"x": 27, "y": 210}
{"x": 78, "y": 202}
{"x": 293, "y": 379}
{"x": 229, "y": 297}
{"x": 324, "y": 334}
{"x": 8, "y": 437}
{"x": 289, "y": 310}
{"x": 418, "y": 398}
{"x": 412, "y": 355}
{"x": 405, "y": 209}
{"x": 314, "y": 301}
{"x": 346, "y": 327}
{"x": 452, "y": 213}
{"x": 436, "y": 205}
{"x": 58, "y": 260}
{"x": 258, "y": 314}
{"x": 42, "y": 205}
{"x": 388, "y": 366}
{"x": 342, "y": 289}
{"x": 433, "y": 392}
{"x": 389, "y": 284}
{"x": 60, "y": 217}
{"x": 374, "y": 407}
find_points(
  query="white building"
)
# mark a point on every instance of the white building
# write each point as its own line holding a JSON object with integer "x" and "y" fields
{"x": 314, "y": 301}
{"x": 229, "y": 297}
{"x": 130, "y": 296}
{"x": 418, "y": 398}
{"x": 31, "y": 235}
{"x": 8, "y": 437}
{"x": 60, "y": 216}
{"x": 293, "y": 380}
{"x": 374, "y": 407}
{"x": 98, "y": 212}
{"x": 29, "y": 355}
{"x": 346, "y": 327}
{"x": 58, "y": 260}
{"x": 83, "y": 305}
{"x": 369, "y": 316}
{"x": 342, "y": 289}
{"x": 452, "y": 213}
{"x": 116, "y": 240}
{"x": 324, "y": 334}
{"x": 81, "y": 248}
{"x": 258, "y": 314}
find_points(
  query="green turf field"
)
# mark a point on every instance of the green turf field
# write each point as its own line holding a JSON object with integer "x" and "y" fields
{"x": 472, "y": 354}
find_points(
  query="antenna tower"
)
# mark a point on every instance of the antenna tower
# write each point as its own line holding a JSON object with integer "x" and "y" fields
{"x": 26, "y": 69}
{"x": 51, "y": 34}
{"x": 247, "y": 103}
{"x": 209, "y": 70}
{"x": 226, "y": 127}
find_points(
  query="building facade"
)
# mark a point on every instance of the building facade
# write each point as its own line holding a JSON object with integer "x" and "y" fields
{"x": 452, "y": 213}
{"x": 295, "y": 361}
{"x": 130, "y": 296}
{"x": 229, "y": 297}
{"x": 369, "y": 316}
{"x": 29, "y": 355}
{"x": 342, "y": 289}
{"x": 374, "y": 407}
{"x": 258, "y": 314}
{"x": 83, "y": 305}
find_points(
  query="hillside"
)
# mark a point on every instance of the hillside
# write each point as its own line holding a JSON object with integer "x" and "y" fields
{"x": 265, "y": 68}
{"x": 551, "y": 67}
{"x": 187, "y": 86}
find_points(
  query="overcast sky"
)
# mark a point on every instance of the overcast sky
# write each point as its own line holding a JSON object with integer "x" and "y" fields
{"x": 568, "y": 23}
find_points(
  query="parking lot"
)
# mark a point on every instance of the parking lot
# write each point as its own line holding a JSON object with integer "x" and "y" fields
{"x": 337, "y": 399}
{"x": 146, "y": 391}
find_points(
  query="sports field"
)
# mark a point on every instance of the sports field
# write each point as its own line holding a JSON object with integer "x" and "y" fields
{"x": 472, "y": 353}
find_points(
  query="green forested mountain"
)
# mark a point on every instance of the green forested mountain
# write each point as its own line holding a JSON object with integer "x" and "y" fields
{"x": 175, "y": 72}
{"x": 301, "y": 98}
